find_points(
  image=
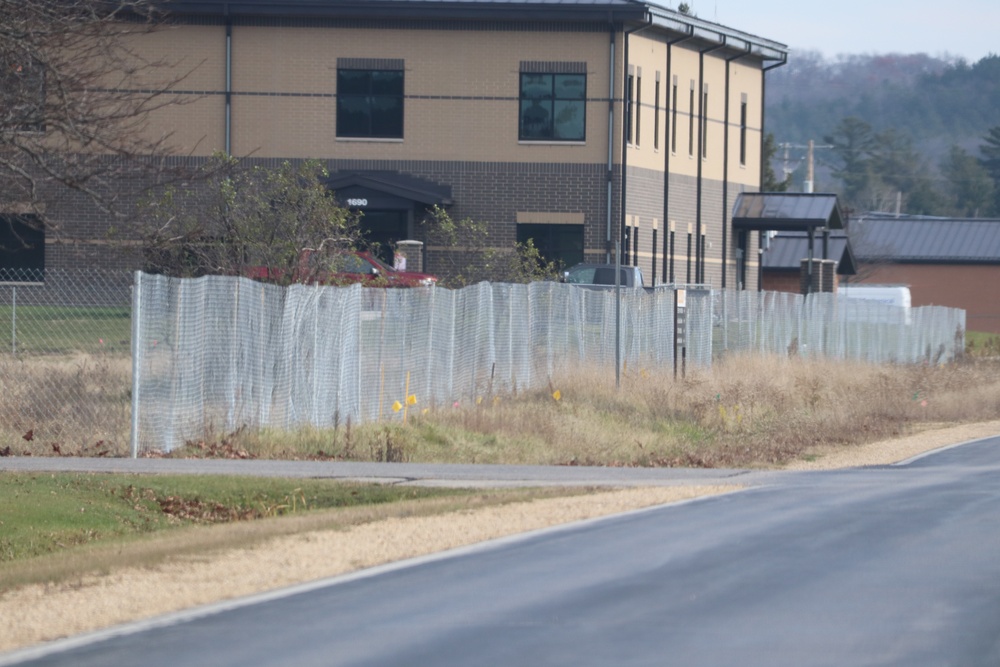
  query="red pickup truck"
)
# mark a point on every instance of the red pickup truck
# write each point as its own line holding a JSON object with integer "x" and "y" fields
{"x": 351, "y": 267}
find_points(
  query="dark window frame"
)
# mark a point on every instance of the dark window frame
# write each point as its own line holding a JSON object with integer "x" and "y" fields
{"x": 630, "y": 108}
{"x": 638, "y": 107}
{"x": 552, "y": 105}
{"x": 656, "y": 117}
{"x": 691, "y": 101}
{"x": 673, "y": 120}
{"x": 22, "y": 81}
{"x": 703, "y": 113}
{"x": 743, "y": 133}
{"x": 385, "y": 123}
{"x": 22, "y": 248}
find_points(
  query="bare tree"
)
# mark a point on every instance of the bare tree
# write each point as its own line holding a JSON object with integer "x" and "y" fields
{"x": 281, "y": 223}
{"x": 75, "y": 98}
{"x": 471, "y": 257}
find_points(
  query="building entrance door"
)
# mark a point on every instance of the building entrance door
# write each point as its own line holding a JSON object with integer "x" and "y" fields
{"x": 381, "y": 229}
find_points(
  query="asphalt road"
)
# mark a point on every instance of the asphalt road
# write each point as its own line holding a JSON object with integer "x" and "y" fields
{"x": 895, "y": 565}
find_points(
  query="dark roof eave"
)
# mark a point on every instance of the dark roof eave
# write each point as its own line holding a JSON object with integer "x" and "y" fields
{"x": 610, "y": 13}
{"x": 616, "y": 12}
{"x": 395, "y": 186}
{"x": 779, "y": 224}
{"x": 730, "y": 39}
{"x": 933, "y": 261}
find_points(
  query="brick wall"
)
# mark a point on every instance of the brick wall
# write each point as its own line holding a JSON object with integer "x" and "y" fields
{"x": 970, "y": 287}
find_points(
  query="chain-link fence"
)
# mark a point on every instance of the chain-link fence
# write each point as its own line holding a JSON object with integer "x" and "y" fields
{"x": 215, "y": 354}
{"x": 65, "y": 360}
{"x": 828, "y": 325}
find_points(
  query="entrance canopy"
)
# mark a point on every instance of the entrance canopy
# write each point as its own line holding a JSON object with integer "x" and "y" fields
{"x": 787, "y": 211}
{"x": 387, "y": 189}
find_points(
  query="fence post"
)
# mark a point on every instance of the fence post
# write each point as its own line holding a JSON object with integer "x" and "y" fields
{"x": 618, "y": 315}
{"x": 13, "y": 320}
{"x": 136, "y": 317}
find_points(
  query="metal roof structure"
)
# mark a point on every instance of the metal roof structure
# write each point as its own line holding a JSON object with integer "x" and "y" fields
{"x": 787, "y": 211}
{"x": 920, "y": 239}
{"x": 634, "y": 13}
{"x": 787, "y": 250}
{"x": 888, "y": 238}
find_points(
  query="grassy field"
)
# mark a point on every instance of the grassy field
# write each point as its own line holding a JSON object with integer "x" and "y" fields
{"x": 54, "y": 527}
{"x": 32, "y": 330}
{"x": 980, "y": 344}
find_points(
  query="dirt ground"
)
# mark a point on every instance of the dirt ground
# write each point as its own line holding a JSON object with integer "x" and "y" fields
{"x": 38, "y": 613}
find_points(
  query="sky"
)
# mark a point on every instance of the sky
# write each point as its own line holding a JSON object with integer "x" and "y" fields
{"x": 968, "y": 29}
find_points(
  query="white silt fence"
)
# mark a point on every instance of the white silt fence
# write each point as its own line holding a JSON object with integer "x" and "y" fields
{"x": 216, "y": 354}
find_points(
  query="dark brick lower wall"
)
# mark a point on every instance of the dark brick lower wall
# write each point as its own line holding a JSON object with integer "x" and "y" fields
{"x": 81, "y": 234}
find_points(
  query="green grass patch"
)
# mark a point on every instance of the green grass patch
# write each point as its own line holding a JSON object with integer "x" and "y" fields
{"x": 61, "y": 528}
{"x": 47, "y": 513}
{"x": 982, "y": 344}
{"x": 65, "y": 330}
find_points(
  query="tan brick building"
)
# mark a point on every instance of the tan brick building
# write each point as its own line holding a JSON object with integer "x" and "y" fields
{"x": 577, "y": 124}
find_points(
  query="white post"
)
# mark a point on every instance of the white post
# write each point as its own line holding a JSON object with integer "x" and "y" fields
{"x": 808, "y": 185}
{"x": 618, "y": 315}
{"x": 136, "y": 329}
{"x": 13, "y": 320}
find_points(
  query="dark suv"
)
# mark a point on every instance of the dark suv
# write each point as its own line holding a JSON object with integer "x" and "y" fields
{"x": 602, "y": 276}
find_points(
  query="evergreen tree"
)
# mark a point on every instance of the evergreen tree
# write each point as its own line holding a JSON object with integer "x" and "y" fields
{"x": 853, "y": 144}
{"x": 899, "y": 170}
{"x": 990, "y": 161}
{"x": 971, "y": 189}
{"x": 768, "y": 181}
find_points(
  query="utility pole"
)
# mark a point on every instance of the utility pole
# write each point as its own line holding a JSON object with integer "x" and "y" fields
{"x": 807, "y": 185}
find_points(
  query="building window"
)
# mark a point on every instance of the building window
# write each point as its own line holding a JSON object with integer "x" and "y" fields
{"x": 743, "y": 133}
{"x": 553, "y": 106}
{"x": 370, "y": 103}
{"x": 22, "y": 248}
{"x": 656, "y": 117}
{"x": 635, "y": 242}
{"x": 703, "y": 112}
{"x": 638, "y": 107}
{"x": 673, "y": 118}
{"x": 629, "y": 108}
{"x": 560, "y": 243}
{"x": 22, "y": 93}
{"x": 691, "y": 122}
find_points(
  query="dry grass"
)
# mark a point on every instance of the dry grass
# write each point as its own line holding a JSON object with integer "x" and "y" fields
{"x": 746, "y": 411}
{"x": 71, "y": 405}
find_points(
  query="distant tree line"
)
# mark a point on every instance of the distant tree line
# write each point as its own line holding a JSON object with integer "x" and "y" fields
{"x": 910, "y": 132}
{"x": 884, "y": 171}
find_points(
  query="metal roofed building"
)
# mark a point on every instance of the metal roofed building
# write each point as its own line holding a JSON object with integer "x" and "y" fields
{"x": 952, "y": 262}
{"x": 580, "y": 124}
{"x": 784, "y": 252}
{"x": 801, "y": 216}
